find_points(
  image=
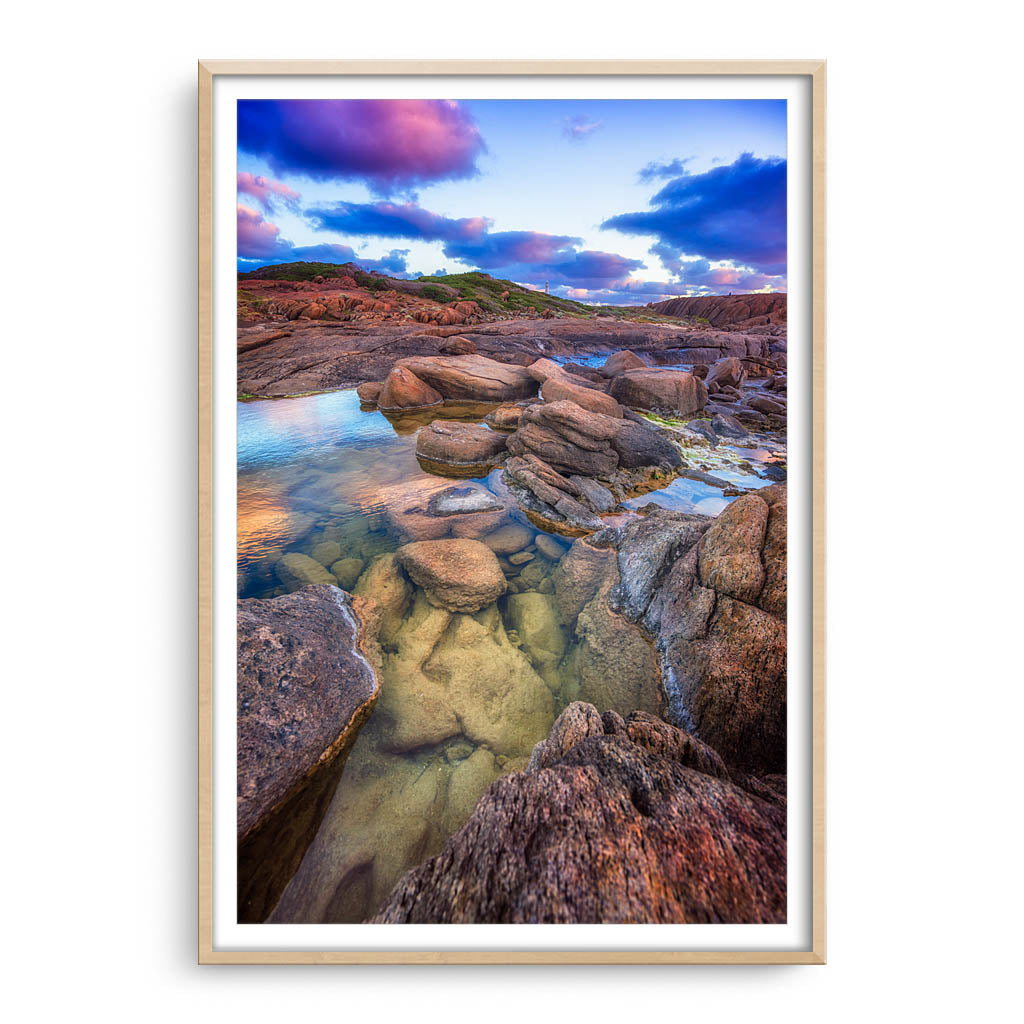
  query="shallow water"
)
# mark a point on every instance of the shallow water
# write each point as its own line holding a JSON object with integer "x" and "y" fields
{"x": 464, "y": 697}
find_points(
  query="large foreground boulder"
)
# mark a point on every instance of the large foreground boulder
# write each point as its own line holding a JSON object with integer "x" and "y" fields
{"x": 458, "y": 575}
{"x": 615, "y": 821}
{"x": 304, "y": 691}
{"x": 672, "y": 391}
{"x": 472, "y": 378}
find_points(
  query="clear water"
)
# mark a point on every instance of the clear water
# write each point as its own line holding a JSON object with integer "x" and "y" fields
{"x": 325, "y": 478}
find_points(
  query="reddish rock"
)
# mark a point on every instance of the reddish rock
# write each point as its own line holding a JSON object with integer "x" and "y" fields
{"x": 559, "y": 388}
{"x": 620, "y": 361}
{"x": 617, "y": 821}
{"x": 458, "y": 346}
{"x": 460, "y": 444}
{"x": 304, "y": 690}
{"x": 472, "y": 377}
{"x": 727, "y": 372}
{"x": 671, "y": 391}
{"x": 505, "y": 417}
{"x": 369, "y": 391}
{"x": 402, "y": 389}
{"x": 722, "y": 310}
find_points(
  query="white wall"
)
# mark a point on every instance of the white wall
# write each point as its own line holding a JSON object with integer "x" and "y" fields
{"x": 99, "y": 211}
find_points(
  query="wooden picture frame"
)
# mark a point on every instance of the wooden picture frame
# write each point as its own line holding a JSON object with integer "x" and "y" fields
{"x": 814, "y": 70}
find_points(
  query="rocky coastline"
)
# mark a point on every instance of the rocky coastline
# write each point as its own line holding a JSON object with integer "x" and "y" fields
{"x": 546, "y": 698}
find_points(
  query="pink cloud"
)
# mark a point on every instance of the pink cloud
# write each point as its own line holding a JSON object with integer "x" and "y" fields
{"x": 393, "y": 145}
{"x": 266, "y": 190}
{"x": 257, "y": 238}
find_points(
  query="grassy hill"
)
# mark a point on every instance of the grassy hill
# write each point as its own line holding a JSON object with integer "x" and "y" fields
{"x": 475, "y": 286}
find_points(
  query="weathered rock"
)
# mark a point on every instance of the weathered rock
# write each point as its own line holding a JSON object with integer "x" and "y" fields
{"x": 559, "y": 388}
{"x": 369, "y": 391}
{"x": 638, "y": 446}
{"x": 624, "y": 827}
{"x": 454, "y": 443}
{"x": 766, "y": 405}
{"x": 724, "y": 656}
{"x": 505, "y": 417}
{"x": 458, "y": 346}
{"x": 704, "y": 428}
{"x": 727, "y": 426}
{"x": 472, "y": 377}
{"x": 729, "y": 557}
{"x": 597, "y": 496}
{"x": 567, "y": 437}
{"x": 296, "y": 570}
{"x": 541, "y": 369}
{"x": 553, "y": 447}
{"x": 727, "y": 371}
{"x": 721, "y": 310}
{"x": 619, "y": 362}
{"x": 672, "y": 391}
{"x": 402, "y": 389}
{"x": 458, "y": 575}
{"x": 304, "y": 690}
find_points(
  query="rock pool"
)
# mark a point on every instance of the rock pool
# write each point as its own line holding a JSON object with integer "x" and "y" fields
{"x": 328, "y": 492}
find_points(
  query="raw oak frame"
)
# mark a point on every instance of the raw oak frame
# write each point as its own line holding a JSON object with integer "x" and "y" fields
{"x": 815, "y": 70}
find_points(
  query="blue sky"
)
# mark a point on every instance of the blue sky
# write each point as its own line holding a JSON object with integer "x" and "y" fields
{"x": 609, "y": 200}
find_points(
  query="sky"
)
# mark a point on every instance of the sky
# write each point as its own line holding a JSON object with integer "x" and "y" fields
{"x": 605, "y": 201}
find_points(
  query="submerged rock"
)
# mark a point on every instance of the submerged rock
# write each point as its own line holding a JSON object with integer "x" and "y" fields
{"x": 467, "y": 498}
{"x": 304, "y": 690}
{"x": 296, "y": 570}
{"x": 459, "y": 575}
{"x": 621, "y": 820}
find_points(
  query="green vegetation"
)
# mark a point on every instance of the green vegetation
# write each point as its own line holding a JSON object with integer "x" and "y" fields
{"x": 435, "y": 292}
{"x": 487, "y": 291}
{"x": 298, "y": 272}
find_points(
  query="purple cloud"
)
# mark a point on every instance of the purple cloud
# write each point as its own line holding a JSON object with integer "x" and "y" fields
{"x": 392, "y": 145}
{"x": 502, "y": 248}
{"x": 260, "y": 244}
{"x": 736, "y": 212}
{"x": 389, "y": 220}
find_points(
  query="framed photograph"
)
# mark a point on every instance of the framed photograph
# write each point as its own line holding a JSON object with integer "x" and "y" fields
{"x": 511, "y": 641}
